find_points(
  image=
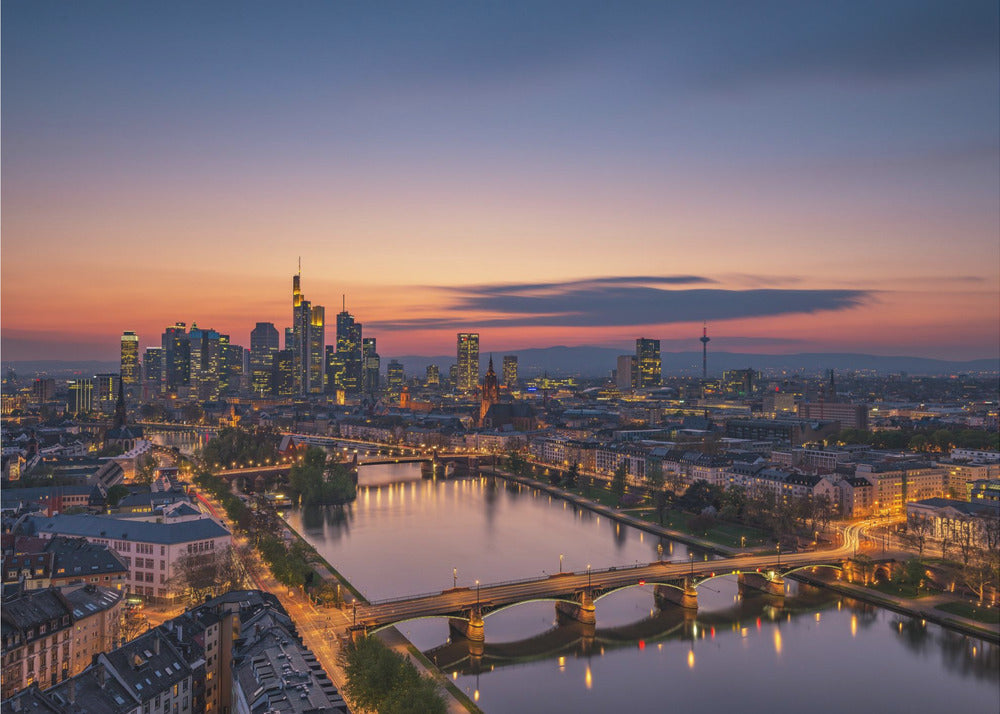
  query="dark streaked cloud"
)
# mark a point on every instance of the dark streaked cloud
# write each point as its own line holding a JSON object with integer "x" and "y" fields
{"x": 619, "y": 302}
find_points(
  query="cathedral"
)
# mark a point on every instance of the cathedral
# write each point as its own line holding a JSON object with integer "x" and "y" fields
{"x": 490, "y": 393}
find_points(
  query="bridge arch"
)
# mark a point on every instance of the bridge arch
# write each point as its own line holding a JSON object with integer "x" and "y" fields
{"x": 525, "y": 602}
{"x": 413, "y": 619}
{"x": 818, "y": 565}
{"x": 666, "y": 584}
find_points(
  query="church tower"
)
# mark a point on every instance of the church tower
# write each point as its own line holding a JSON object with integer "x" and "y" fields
{"x": 491, "y": 392}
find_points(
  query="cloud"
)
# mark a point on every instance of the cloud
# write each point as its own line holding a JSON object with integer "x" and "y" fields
{"x": 620, "y": 302}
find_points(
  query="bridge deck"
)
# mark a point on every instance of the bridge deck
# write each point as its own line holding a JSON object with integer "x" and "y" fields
{"x": 566, "y": 585}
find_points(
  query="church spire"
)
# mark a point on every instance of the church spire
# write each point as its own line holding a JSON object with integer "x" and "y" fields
{"x": 120, "y": 406}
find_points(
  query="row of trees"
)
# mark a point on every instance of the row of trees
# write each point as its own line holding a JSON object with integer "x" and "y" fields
{"x": 241, "y": 446}
{"x": 319, "y": 480}
{"x": 386, "y": 682}
{"x": 925, "y": 440}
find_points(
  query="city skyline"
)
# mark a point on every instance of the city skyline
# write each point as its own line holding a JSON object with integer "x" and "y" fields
{"x": 539, "y": 176}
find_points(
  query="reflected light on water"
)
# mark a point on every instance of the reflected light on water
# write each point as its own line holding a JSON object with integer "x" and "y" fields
{"x": 777, "y": 641}
{"x": 854, "y": 625}
{"x": 690, "y": 659}
{"x": 588, "y": 678}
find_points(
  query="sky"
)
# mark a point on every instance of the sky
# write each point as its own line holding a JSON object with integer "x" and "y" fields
{"x": 802, "y": 176}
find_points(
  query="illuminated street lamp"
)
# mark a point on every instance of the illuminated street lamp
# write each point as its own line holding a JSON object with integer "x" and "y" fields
{"x": 454, "y": 577}
{"x": 588, "y": 576}
{"x": 477, "y": 594}
{"x": 560, "y": 562}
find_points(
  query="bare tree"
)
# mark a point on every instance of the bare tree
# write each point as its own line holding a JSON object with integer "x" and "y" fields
{"x": 917, "y": 531}
{"x": 982, "y": 572}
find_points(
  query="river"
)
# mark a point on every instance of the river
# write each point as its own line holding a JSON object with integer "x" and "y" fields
{"x": 816, "y": 651}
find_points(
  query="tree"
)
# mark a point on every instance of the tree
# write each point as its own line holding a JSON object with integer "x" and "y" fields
{"x": 917, "y": 531}
{"x": 115, "y": 494}
{"x": 573, "y": 475}
{"x": 699, "y": 496}
{"x": 145, "y": 468}
{"x": 207, "y": 574}
{"x": 982, "y": 572}
{"x": 133, "y": 623}
{"x": 654, "y": 474}
{"x": 618, "y": 481}
{"x": 381, "y": 680}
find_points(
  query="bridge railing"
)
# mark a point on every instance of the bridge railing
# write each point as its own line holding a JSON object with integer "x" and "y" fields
{"x": 524, "y": 581}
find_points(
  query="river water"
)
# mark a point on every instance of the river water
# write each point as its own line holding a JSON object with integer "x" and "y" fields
{"x": 813, "y": 652}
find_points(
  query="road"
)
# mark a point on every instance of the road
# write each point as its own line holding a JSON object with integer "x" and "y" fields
{"x": 495, "y": 595}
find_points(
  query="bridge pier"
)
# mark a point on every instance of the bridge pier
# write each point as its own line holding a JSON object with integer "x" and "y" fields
{"x": 471, "y": 629}
{"x": 582, "y": 611}
{"x": 685, "y": 596}
{"x": 759, "y": 581}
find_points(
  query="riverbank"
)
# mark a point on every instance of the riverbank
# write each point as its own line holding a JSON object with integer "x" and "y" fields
{"x": 925, "y": 608}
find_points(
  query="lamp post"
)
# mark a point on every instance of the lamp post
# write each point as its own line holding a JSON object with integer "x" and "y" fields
{"x": 560, "y": 562}
{"x": 454, "y": 577}
{"x": 691, "y": 558}
{"x": 477, "y": 594}
{"x": 779, "y": 553}
{"x": 588, "y": 576}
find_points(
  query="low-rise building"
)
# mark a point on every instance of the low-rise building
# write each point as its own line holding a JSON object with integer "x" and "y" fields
{"x": 152, "y": 551}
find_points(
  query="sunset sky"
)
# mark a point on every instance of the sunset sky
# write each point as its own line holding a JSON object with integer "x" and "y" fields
{"x": 804, "y": 176}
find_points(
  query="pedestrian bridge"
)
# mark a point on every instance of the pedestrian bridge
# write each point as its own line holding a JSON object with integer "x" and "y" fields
{"x": 575, "y": 594}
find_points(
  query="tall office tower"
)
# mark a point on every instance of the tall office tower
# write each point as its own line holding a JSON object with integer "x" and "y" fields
{"x": 289, "y": 338}
{"x": 351, "y": 352}
{"x": 81, "y": 396}
{"x": 372, "y": 364}
{"x": 394, "y": 377}
{"x": 308, "y": 341}
{"x": 334, "y": 370}
{"x": 152, "y": 370}
{"x": 106, "y": 391}
{"x": 647, "y": 357}
{"x": 282, "y": 374}
{"x": 207, "y": 348}
{"x": 43, "y": 390}
{"x": 433, "y": 376}
{"x": 130, "y": 359}
{"x": 468, "y": 361}
{"x": 453, "y": 377}
{"x": 315, "y": 350}
{"x": 236, "y": 369}
{"x": 510, "y": 371}
{"x": 626, "y": 373}
{"x": 176, "y": 358}
{"x": 263, "y": 346}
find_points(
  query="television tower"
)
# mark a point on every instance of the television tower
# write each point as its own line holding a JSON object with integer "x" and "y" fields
{"x": 704, "y": 351}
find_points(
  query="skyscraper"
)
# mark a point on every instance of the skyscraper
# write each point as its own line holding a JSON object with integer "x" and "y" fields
{"x": 263, "y": 346}
{"x": 176, "y": 358}
{"x": 626, "y": 373}
{"x": 81, "y": 396}
{"x": 152, "y": 370}
{"x": 130, "y": 359}
{"x": 372, "y": 365}
{"x": 647, "y": 357}
{"x": 207, "y": 354}
{"x": 468, "y": 361}
{"x": 394, "y": 377}
{"x": 351, "y": 353}
{"x": 433, "y": 376}
{"x": 510, "y": 371}
{"x": 308, "y": 341}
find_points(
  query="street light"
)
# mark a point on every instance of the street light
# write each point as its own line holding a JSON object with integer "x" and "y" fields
{"x": 691, "y": 558}
{"x": 477, "y": 594}
{"x": 454, "y": 577}
{"x": 588, "y": 576}
{"x": 560, "y": 562}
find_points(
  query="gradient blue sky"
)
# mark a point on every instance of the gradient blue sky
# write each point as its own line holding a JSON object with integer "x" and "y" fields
{"x": 805, "y": 175}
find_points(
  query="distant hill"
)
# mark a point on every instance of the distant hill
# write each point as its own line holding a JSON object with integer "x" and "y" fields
{"x": 589, "y": 361}
{"x": 60, "y": 368}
